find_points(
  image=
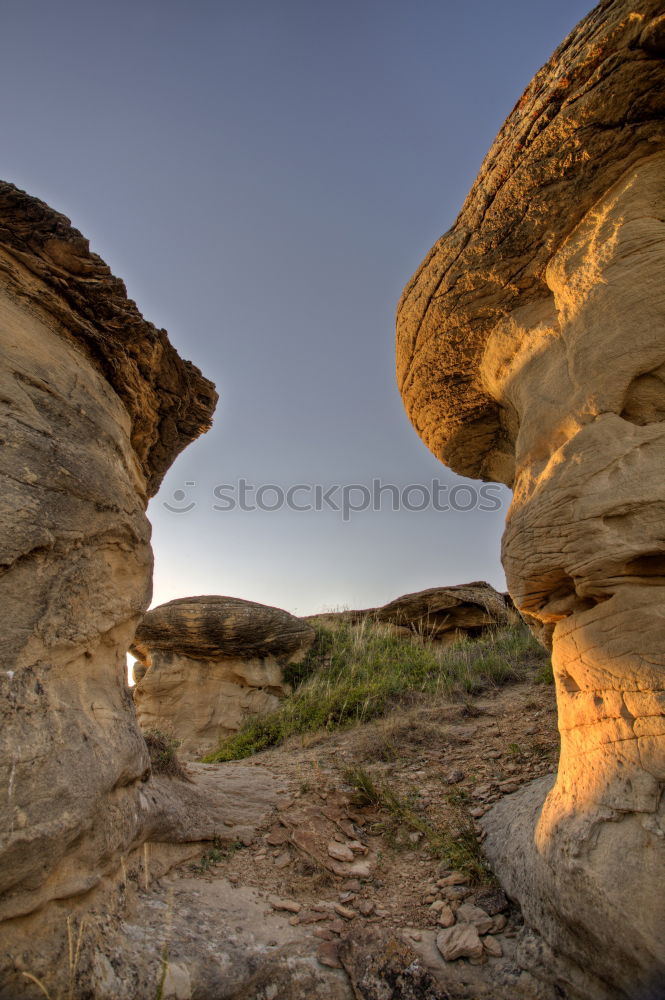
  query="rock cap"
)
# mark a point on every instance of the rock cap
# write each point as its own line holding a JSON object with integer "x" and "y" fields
{"x": 212, "y": 627}
{"x": 595, "y": 109}
{"x": 168, "y": 400}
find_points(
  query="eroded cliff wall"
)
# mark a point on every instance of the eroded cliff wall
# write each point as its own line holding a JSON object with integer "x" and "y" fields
{"x": 95, "y": 405}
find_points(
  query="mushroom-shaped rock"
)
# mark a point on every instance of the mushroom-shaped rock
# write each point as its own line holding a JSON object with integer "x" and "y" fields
{"x": 447, "y": 612}
{"x": 96, "y": 404}
{"x": 531, "y": 349}
{"x": 211, "y": 662}
{"x": 440, "y": 613}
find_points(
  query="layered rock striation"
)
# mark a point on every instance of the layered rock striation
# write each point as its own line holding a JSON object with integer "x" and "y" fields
{"x": 210, "y": 662}
{"x": 442, "y": 614}
{"x": 531, "y": 350}
{"x": 95, "y": 406}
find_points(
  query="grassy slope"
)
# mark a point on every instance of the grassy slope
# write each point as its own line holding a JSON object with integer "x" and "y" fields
{"x": 354, "y": 673}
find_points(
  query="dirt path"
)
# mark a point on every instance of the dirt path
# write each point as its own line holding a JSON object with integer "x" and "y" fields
{"x": 325, "y": 889}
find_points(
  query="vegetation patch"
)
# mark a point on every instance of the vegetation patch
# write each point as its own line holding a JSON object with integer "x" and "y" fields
{"x": 163, "y": 750}
{"x": 455, "y": 843}
{"x": 216, "y": 853}
{"x": 355, "y": 673}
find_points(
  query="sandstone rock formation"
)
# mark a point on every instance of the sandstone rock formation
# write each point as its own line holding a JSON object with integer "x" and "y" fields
{"x": 210, "y": 663}
{"x": 440, "y": 613}
{"x": 96, "y": 405}
{"x": 531, "y": 350}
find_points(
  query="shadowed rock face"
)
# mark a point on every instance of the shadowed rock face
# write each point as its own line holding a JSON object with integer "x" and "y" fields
{"x": 96, "y": 404}
{"x": 211, "y": 662}
{"x": 440, "y": 613}
{"x": 531, "y": 349}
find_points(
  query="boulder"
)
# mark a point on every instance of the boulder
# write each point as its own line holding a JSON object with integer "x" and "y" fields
{"x": 442, "y": 614}
{"x": 531, "y": 350}
{"x": 96, "y": 405}
{"x": 460, "y": 941}
{"x": 210, "y": 662}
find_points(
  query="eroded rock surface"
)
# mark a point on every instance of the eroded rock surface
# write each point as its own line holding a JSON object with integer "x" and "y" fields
{"x": 440, "y": 613}
{"x": 531, "y": 349}
{"x": 96, "y": 405}
{"x": 211, "y": 662}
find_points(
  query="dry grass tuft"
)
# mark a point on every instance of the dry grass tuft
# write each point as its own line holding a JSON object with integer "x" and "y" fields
{"x": 163, "y": 750}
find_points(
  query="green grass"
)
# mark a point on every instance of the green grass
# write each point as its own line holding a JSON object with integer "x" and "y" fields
{"x": 355, "y": 673}
{"x": 216, "y": 853}
{"x": 455, "y": 843}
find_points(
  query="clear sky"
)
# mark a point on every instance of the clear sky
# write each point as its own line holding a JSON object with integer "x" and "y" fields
{"x": 265, "y": 176}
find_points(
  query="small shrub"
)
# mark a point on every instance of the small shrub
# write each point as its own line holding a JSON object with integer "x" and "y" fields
{"x": 545, "y": 675}
{"x": 216, "y": 853}
{"x": 163, "y": 748}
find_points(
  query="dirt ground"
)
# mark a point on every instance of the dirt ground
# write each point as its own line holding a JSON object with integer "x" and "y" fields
{"x": 329, "y": 870}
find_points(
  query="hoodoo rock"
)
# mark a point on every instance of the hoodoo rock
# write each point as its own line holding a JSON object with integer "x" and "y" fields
{"x": 211, "y": 662}
{"x": 531, "y": 350}
{"x": 96, "y": 405}
{"x": 440, "y": 613}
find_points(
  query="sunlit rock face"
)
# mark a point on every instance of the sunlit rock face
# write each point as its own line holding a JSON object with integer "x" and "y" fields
{"x": 211, "y": 662}
{"x": 95, "y": 406}
{"x": 531, "y": 349}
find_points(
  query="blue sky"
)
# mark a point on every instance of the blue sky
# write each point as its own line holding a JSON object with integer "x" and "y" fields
{"x": 265, "y": 177}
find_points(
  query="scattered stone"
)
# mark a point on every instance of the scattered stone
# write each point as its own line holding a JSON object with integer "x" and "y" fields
{"x": 455, "y": 878}
{"x": 282, "y": 860}
{"x": 498, "y": 923}
{"x": 456, "y": 892}
{"x": 477, "y": 812}
{"x": 346, "y": 897}
{"x": 357, "y": 847}
{"x": 446, "y": 916}
{"x": 340, "y": 852}
{"x": 327, "y": 954}
{"x": 366, "y": 907}
{"x": 454, "y": 777}
{"x": 507, "y": 787}
{"x": 460, "y": 941}
{"x": 344, "y": 911}
{"x": 467, "y": 913}
{"x": 492, "y": 901}
{"x": 285, "y": 904}
{"x": 492, "y": 947}
{"x": 360, "y": 868}
{"x": 351, "y": 885}
{"x": 277, "y": 836}
{"x": 311, "y": 917}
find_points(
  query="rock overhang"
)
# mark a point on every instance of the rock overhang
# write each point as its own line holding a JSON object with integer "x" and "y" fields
{"x": 594, "y": 110}
{"x": 168, "y": 400}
